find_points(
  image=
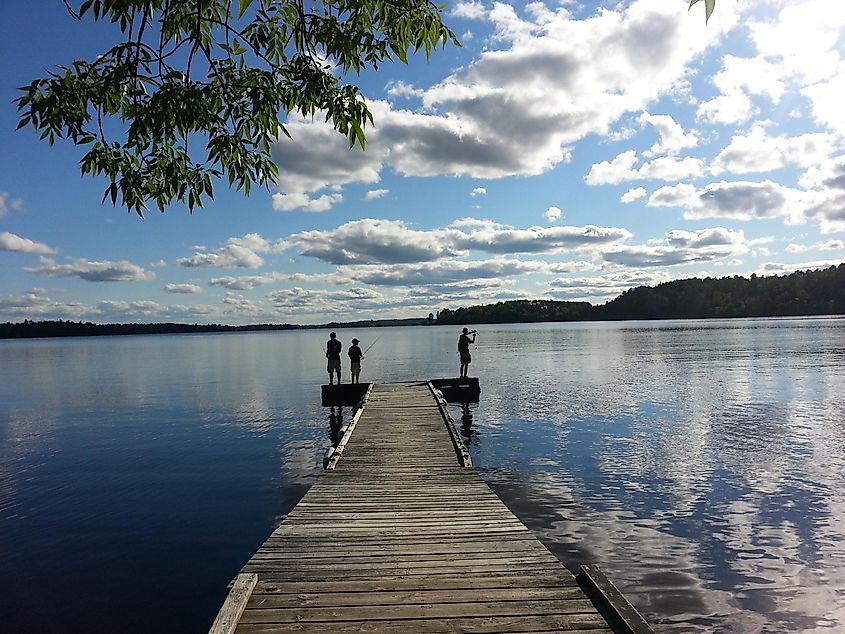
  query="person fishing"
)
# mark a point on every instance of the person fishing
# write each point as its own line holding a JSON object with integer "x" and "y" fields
{"x": 355, "y": 356}
{"x": 333, "y": 348}
{"x": 463, "y": 350}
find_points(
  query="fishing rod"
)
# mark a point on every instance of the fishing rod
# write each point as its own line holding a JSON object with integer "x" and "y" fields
{"x": 371, "y": 345}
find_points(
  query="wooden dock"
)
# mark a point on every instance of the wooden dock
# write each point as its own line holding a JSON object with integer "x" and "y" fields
{"x": 399, "y": 536}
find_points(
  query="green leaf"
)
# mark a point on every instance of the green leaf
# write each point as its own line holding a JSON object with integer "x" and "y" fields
{"x": 243, "y": 7}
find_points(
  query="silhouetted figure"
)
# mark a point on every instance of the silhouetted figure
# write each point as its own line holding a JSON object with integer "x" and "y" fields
{"x": 333, "y": 348}
{"x": 355, "y": 356}
{"x": 463, "y": 350}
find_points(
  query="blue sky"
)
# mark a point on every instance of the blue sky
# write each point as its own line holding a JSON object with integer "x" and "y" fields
{"x": 568, "y": 151}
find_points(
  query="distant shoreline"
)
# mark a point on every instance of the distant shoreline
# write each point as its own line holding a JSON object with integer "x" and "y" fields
{"x": 814, "y": 293}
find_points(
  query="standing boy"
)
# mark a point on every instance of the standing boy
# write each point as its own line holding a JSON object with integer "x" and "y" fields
{"x": 355, "y": 356}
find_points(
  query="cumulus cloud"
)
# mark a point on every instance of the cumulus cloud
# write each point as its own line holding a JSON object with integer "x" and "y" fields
{"x": 830, "y": 245}
{"x": 827, "y": 194}
{"x": 93, "y": 271}
{"x": 782, "y": 268}
{"x": 375, "y": 194}
{"x": 799, "y": 47}
{"x": 184, "y": 289}
{"x": 759, "y": 152}
{"x": 738, "y": 200}
{"x": 681, "y": 247}
{"x": 604, "y": 286}
{"x": 478, "y": 191}
{"x": 635, "y": 193}
{"x": 672, "y": 136}
{"x": 36, "y": 303}
{"x": 245, "y": 282}
{"x": 9, "y": 204}
{"x": 370, "y": 241}
{"x": 237, "y": 253}
{"x": 553, "y": 214}
{"x": 517, "y": 109}
{"x": 324, "y": 301}
{"x": 622, "y": 169}
{"x": 470, "y": 10}
{"x": 302, "y": 201}
{"x": 13, "y": 242}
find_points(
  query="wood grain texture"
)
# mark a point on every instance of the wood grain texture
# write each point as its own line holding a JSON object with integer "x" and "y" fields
{"x": 399, "y": 536}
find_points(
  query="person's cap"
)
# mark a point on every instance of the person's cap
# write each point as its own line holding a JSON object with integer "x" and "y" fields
{"x": 465, "y": 331}
{"x": 355, "y": 341}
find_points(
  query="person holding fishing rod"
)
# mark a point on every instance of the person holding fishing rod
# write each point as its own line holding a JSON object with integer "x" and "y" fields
{"x": 463, "y": 350}
{"x": 333, "y": 348}
{"x": 355, "y": 356}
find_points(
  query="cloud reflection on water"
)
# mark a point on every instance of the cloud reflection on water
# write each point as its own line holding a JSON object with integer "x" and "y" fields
{"x": 702, "y": 464}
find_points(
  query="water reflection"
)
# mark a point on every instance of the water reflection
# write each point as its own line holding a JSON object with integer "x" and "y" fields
{"x": 702, "y": 464}
{"x": 467, "y": 430}
{"x": 335, "y": 423}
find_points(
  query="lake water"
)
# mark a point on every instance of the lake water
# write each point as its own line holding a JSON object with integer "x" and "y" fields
{"x": 701, "y": 463}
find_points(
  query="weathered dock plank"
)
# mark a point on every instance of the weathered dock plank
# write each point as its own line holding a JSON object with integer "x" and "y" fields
{"x": 398, "y": 535}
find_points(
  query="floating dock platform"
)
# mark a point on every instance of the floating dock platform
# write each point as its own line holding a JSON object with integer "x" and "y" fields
{"x": 465, "y": 390}
{"x": 398, "y": 535}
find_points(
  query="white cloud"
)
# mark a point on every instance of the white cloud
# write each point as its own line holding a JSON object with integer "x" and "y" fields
{"x": 633, "y": 194}
{"x": 801, "y": 47}
{"x": 781, "y": 268}
{"x": 478, "y": 191}
{"x": 759, "y": 152}
{"x": 302, "y": 201}
{"x": 375, "y": 194}
{"x": 470, "y": 10}
{"x": 94, "y": 271}
{"x": 184, "y": 289}
{"x": 622, "y": 169}
{"x": 739, "y": 200}
{"x": 158, "y": 264}
{"x": 672, "y": 136}
{"x": 9, "y": 204}
{"x": 371, "y": 241}
{"x": 13, "y": 242}
{"x": 604, "y": 286}
{"x": 830, "y": 245}
{"x": 681, "y": 247}
{"x": 517, "y": 109}
{"x": 553, "y": 214}
{"x": 238, "y": 253}
{"x": 796, "y": 248}
{"x": 739, "y": 78}
{"x": 245, "y": 282}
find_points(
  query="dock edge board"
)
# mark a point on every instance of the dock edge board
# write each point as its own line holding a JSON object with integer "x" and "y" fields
{"x": 622, "y": 616}
{"x": 233, "y": 607}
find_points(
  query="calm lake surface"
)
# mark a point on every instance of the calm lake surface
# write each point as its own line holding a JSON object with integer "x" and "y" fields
{"x": 701, "y": 463}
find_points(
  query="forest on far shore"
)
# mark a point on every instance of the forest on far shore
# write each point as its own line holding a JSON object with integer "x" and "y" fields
{"x": 819, "y": 292}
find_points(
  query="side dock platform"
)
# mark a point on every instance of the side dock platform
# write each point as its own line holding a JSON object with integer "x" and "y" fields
{"x": 398, "y": 535}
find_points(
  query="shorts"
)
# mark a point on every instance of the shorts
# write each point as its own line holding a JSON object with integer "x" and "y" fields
{"x": 333, "y": 366}
{"x": 466, "y": 358}
{"x": 355, "y": 367}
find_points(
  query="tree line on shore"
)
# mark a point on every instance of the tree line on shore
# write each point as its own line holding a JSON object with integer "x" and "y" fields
{"x": 819, "y": 292}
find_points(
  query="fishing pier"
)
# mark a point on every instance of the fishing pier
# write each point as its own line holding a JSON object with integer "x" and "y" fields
{"x": 399, "y": 535}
